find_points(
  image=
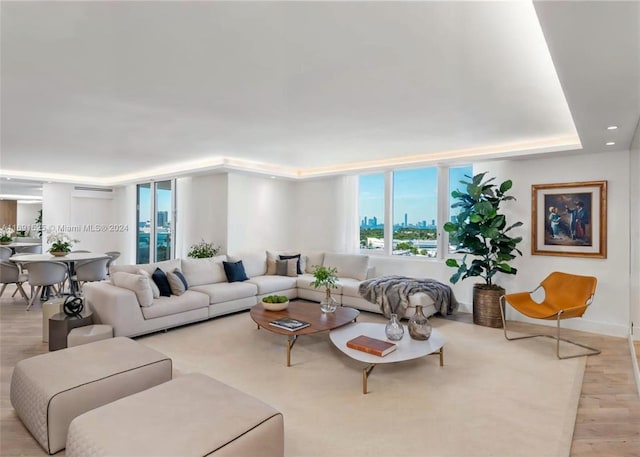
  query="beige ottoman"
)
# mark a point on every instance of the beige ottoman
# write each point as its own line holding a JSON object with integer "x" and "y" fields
{"x": 49, "y": 390}
{"x": 192, "y": 415}
{"x": 89, "y": 334}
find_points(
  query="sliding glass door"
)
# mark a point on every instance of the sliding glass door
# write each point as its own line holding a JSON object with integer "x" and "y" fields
{"x": 155, "y": 221}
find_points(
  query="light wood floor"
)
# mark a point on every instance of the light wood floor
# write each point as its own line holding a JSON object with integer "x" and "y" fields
{"x": 607, "y": 423}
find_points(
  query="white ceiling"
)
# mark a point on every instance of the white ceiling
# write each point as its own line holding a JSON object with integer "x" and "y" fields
{"x": 113, "y": 92}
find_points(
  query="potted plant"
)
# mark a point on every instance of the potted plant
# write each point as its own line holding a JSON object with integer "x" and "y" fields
{"x": 326, "y": 277}
{"x": 6, "y": 235}
{"x": 480, "y": 231}
{"x": 60, "y": 243}
{"x": 203, "y": 250}
{"x": 275, "y": 302}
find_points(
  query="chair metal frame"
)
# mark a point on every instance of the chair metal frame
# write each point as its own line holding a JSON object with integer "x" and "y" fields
{"x": 558, "y": 318}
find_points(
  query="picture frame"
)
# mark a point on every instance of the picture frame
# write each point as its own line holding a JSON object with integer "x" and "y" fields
{"x": 569, "y": 219}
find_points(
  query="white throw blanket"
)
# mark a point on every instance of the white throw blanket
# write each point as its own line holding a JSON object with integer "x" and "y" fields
{"x": 392, "y": 294}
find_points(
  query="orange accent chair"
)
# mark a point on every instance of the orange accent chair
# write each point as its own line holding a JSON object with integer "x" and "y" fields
{"x": 565, "y": 296}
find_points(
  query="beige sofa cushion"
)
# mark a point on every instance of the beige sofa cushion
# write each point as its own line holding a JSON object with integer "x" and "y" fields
{"x": 350, "y": 286}
{"x": 166, "y": 265}
{"x": 227, "y": 291}
{"x": 349, "y": 265}
{"x": 165, "y": 306}
{"x": 191, "y": 415}
{"x": 255, "y": 263}
{"x": 139, "y": 284}
{"x": 304, "y": 282}
{"x": 204, "y": 271}
{"x": 269, "y": 284}
{"x": 313, "y": 258}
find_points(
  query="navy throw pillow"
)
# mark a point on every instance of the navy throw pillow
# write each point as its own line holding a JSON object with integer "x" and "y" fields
{"x": 234, "y": 271}
{"x": 297, "y": 256}
{"x": 161, "y": 280}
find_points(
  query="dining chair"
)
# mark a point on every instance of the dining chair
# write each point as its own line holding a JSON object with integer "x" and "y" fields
{"x": 89, "y": 271}
{"x": 113, "y": 255}
{"x": 566, "y": 296}
{"x": 10, "y": 274}
{"x": 5, "y": 253}
{"x": 45, "y": 274}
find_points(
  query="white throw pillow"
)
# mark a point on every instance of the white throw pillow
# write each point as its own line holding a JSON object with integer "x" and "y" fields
{"x": 271, "y": 267}
{"x": 154, "y": 286}
{"x": 139, "y": 284}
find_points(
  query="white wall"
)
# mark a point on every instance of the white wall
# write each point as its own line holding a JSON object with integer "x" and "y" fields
{"x": 261, "y": 213}
{"x": 318, "y": 214}
{"x": 609, "y": 313}
{"x": 92, "y": 221}
{"x": 634, "y": 214}
{"x": 202, "y": 203}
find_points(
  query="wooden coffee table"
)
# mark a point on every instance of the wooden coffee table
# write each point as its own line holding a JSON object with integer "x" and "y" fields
{"x": 304, "y": 311}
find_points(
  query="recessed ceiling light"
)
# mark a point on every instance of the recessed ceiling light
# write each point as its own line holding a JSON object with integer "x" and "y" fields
{"x": 612, "y": 127}
{"x": 611, "y": 143}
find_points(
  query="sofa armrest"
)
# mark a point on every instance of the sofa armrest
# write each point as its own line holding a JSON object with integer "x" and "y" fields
{"x": 114, "y": 306}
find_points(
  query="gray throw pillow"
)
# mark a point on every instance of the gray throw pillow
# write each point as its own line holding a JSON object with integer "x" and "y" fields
{"x": 287, "y": 267}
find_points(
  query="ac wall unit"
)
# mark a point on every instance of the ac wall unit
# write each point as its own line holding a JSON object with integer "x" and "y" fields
{"x": 92, "y": 192}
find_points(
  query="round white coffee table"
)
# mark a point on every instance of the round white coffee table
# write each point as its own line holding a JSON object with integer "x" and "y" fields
{"x": 408, "y": 348}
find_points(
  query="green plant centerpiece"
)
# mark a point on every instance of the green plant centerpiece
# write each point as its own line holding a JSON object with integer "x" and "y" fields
{"x": 326, "y": 277}
{"x": 203, "y": 250}
{"x": 61, "y": 243}
{"x": 6, "y": 235}
{"x": 480, "y": 231}
{"x": 275, "y": 302}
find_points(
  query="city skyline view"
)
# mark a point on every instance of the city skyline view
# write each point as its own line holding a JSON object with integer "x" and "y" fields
{"x": 414, "y": 196}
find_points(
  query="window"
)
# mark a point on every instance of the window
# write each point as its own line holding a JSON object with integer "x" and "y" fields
{"x": 371, "y": 211}
{"x": 415, "y": 206}
{"x": 155, "y": 228}
{"x": 405, "y": 208}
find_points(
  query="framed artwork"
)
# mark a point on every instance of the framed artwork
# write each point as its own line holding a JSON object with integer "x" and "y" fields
{"x": 569, "y": 219}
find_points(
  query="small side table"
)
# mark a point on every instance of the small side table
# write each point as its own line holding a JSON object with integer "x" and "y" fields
{"x": 60, "y": 325}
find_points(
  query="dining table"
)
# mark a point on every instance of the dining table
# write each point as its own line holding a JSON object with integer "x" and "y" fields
{"x": 20, "y": 244}
{"x": 69, "y": 259}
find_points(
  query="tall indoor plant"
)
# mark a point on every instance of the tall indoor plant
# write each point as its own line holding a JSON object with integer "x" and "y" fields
{"x": 480, "y": 231}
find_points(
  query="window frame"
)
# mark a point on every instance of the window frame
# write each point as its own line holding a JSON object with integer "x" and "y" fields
{"x": 443, "y": 213}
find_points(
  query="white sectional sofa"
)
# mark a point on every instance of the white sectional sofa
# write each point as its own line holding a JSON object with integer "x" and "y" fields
{"x": 209, "y": 294}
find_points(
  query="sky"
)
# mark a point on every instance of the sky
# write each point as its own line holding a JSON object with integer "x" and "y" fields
{"x": 414, "y": 190}
{"x": 164, "y": 202}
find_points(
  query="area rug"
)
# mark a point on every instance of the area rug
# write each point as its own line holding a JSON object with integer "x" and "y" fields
{"x": 491, "y": 398}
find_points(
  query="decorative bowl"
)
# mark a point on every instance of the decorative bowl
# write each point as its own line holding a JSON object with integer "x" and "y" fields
{"x": 274, "y": 306}
{"x": 58, "y": 253}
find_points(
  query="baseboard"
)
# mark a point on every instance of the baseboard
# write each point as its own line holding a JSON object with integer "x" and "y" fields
{"x": 634, "y": 362}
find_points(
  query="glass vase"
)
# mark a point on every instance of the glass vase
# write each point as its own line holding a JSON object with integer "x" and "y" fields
{"x": 328, "y": 303}
{"x": 419, "y": 325}
{"x": 394, "y": 329}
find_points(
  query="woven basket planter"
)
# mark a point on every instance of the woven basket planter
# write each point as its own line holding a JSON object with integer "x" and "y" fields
{"x": 486, "y": 306}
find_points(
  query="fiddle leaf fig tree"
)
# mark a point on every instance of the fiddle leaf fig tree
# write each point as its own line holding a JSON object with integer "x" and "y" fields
{"x": 480, "y": 231}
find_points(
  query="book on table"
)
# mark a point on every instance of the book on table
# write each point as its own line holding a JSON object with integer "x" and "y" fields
{"x": 289, "y": 323}
{"x": 371, "y": 345}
